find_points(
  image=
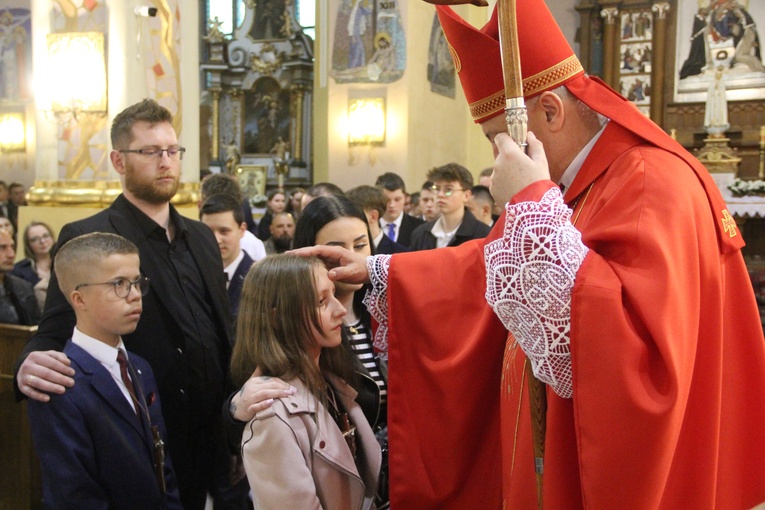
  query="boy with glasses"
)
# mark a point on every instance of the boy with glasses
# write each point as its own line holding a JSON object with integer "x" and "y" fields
{"x": 451, "y": 186}
{"x": 101, "y": 443}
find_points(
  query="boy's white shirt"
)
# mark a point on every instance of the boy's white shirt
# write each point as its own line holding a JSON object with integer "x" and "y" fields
{"x": 231, "y": 268}
{"x": 253, "y": 246}
{"x": 106, "y": 355}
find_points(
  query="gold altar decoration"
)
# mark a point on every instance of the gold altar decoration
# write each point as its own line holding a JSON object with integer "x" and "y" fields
{"x": 717, "y": 156}
{"x": 268, "y": 61}
{"x": 68, "y": 193}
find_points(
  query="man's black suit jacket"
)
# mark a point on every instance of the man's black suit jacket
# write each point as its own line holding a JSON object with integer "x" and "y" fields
{"x": 22, "y": 295}
{"x": 469, "y": 229}
{"x": 159, "y": 338}
{"x": 408, "y": 224}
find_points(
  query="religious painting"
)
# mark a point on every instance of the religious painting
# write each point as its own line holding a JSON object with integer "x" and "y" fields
{"x": 635, "y": 53}
{"x": 369, "y": 45}
{"x": 15, "y": 55}
{"x": 635, "y": 58}
{"x": 252, "y": 180}
{"x": 719, "y": 35}
{"x": 637, "y": 88}
{"x": 636, "y": 26}
{"x": 271, "y": 16}
{"x": 266, "y": 116}
{"x": 441, "y": 71}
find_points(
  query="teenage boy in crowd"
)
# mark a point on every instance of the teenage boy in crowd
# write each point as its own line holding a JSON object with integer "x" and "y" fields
{"x": 395, "y": 223}
{"x": 372, "y": 201}
{"x": 452, "y": 184}
{"x": 223, "y": 214}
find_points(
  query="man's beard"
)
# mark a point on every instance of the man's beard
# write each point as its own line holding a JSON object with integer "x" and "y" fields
{"x": 148, "y": 190}
{"x": 282, "y": 244}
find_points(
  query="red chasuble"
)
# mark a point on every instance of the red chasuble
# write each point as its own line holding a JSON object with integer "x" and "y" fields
{"x": 668, "y": 355}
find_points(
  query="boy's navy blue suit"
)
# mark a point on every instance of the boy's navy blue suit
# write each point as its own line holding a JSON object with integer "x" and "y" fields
{"x": 95, "y": 452}
{"x": 191, "y": 372}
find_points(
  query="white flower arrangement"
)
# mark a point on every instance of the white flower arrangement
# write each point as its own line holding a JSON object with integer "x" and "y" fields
{"x": 742, "y": 188}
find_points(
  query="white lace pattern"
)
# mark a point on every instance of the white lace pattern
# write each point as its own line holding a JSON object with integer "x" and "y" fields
{"x": 376, "y": 300}
{"x": 530, "y": 276}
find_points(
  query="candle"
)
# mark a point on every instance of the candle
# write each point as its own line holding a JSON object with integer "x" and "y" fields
{"x": 762, "y": 135}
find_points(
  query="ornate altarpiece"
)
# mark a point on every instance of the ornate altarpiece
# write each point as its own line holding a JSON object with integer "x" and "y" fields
{"x": 260, "y": 85}
{"x": 629, "y": 41}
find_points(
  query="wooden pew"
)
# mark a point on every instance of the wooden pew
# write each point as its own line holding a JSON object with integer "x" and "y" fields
{"x": 20, "y": 483}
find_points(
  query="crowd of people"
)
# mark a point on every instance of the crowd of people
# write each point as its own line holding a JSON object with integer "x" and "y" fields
{"x": 368, "y": 348}
{"x": 189, "y": 317}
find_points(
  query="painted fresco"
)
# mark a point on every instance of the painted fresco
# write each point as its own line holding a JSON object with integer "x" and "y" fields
{"x": 369, "y": 46}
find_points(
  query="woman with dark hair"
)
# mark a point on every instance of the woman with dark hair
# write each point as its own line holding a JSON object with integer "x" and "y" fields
{"x": 35, "y": 268}
{"x": 337, "y": 221}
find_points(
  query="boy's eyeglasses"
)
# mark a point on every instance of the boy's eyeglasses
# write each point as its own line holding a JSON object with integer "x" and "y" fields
{"x": 447, "y": 190}
{"x": 174, "y": 153}
{"x": 123, "y": 286}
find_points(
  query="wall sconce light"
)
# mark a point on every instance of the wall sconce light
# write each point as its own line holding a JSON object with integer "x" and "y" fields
{"x": 366, "y": 121}
{"x": 12, "y": 129}
{"x": 77, "y": 73}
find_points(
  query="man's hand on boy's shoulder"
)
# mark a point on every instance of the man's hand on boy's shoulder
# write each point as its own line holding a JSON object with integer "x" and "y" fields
{"x": 45, "y": 372}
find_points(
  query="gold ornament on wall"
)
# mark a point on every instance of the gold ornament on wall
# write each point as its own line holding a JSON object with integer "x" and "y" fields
{"x": 268, "y": 61}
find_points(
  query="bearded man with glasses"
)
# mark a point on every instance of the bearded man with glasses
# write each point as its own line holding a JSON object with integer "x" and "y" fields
{"x": 184, "y": 330}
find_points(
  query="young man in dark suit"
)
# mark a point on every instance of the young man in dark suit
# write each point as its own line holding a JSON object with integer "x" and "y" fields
{"x": 222, "y": 214}
{"x": 395, "y": 223}
{"x": 184, "y": 332}
{"x": 372, "y": 202}
{"x": 452, "y": 184}
{"x": 99, "y": 443}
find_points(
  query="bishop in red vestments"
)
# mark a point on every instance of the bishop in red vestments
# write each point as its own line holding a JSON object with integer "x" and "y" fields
{"x": 628, "y": 295}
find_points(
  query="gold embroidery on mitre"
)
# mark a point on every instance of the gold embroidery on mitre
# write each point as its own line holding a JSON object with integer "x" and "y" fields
{"x": 552, "y": 76}
{"x": 729, "y": 224}
{"x": 455, "y": 57}
{"x": 488, "y": 105}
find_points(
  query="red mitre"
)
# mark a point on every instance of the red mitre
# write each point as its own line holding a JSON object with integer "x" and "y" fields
{"x": 547, "y": 60}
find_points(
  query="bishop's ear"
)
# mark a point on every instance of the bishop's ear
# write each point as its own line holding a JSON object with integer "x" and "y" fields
{"x": 552, "y": 106}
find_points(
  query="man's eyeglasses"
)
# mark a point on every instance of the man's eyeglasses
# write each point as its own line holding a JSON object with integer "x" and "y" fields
{"x": 37, "y": 239}
{"x": 447, "y": 190}
{"x": 123, "y": 286}
{"x": 174, "y": 153}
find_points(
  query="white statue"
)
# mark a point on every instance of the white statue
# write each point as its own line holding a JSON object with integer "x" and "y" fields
{"x": 716, "y": 113}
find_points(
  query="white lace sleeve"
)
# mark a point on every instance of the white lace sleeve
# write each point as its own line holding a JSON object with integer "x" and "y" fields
{"x": 530, "y": 275}
{"x": 376, "y": 300}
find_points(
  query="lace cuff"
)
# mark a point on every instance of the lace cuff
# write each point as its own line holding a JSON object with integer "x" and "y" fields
{"x": 530, "y": 275}
{"x": 376, "y": 300}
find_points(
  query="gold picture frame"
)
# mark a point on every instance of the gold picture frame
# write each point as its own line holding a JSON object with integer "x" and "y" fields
{"x": 252, "y": 179}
